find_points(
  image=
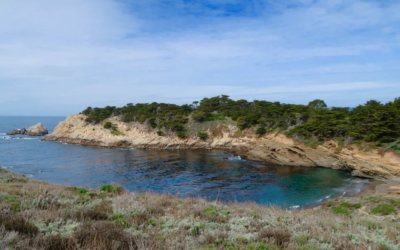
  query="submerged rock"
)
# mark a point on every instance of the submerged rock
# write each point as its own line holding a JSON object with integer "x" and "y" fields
{"x": 35, "y": 130}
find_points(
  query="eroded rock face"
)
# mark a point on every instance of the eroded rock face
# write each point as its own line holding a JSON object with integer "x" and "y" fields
{"x": 270, "y": 148}
{"x": 35, "y": 130}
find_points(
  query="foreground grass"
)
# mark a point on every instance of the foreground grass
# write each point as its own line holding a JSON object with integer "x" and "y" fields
{"x": 37, "y": 215}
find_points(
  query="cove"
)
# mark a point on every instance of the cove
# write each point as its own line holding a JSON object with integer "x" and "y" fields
{"x": 185, "y": 173}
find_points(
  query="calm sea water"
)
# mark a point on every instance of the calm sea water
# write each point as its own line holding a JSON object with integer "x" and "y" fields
{"x": 185, "y": 173}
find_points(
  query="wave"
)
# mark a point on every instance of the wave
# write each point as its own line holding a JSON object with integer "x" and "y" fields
{"x": 17, "y": 138}
{"x": 7, "y": 167}
{"x": 235, "y": 158}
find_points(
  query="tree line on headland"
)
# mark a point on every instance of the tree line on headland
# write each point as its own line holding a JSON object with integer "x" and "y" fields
{"x": 370, "y": 122}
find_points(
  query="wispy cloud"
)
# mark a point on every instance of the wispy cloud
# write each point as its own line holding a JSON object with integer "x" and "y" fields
{"x": 58, "y": 57}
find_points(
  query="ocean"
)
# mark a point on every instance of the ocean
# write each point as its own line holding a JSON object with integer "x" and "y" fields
{"x": 185, "y": 173}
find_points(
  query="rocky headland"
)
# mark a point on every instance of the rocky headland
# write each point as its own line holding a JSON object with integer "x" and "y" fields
{"x": 271, "y": 148}
{"x": 35, "y": 130}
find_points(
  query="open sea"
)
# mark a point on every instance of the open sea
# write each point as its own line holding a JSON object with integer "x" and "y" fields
{"x": 185, "y": 173}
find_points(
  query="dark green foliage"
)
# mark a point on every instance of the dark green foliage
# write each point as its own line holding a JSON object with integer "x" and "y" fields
{"x": 202, "y": 135}
{"x": 96, "y": 115}
{"x": 371, "y": 122}
{"x": 261, "y": 131}
{"x": 107, "y": 125}
{"x": 160, "y": 133}
{"x": 87, "y": 111}
{"x": 181, "y": 134}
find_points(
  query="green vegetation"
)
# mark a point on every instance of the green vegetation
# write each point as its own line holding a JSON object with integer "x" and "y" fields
{"x": 57, "y": 217}
{"x": 260, "y": 131}
{"x": 315, "y": 122}
{"x": 383, "y": 209}
{"x": 343, "y": 208}
{"x": 202, "y": 135}
{"x": 108, "y": 125}
{"x": 181, "y": 134}
{"x": 111, "y": 189}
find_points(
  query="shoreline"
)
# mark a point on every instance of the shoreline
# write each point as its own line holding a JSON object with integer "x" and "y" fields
{"x": 372, "y": 188}
{"x": 48, "y": 216}
{"x": 359, "y": 160}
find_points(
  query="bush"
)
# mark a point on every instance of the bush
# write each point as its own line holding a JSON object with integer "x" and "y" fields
{"x": 280, "y": 237}
{"x": 98, "y": 212}
{"x": 111, "y": 189}
{"x": 383, "y": 209}
{"x": 103, "y": 235}
{"x": 202, "y": 135}
{"x": 18, "y": 224}
{"x": 260, "y": 131}
{"x": 108, "y": 125}
{"x": 181, "y": 134}
{"x": 160, "y": 133}
{"x": 114, "y": 132}
{"x": 56, "y": 242}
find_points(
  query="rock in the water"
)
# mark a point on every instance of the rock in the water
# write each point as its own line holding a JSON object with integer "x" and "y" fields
{"x": 17, "y": 132}
{"x": 36, "y": 130}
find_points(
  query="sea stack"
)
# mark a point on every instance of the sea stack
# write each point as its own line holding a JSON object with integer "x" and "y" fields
{"x": 35, "y": 130}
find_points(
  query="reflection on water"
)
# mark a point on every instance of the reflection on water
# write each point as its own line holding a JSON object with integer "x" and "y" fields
{"x": 186, "y": 173}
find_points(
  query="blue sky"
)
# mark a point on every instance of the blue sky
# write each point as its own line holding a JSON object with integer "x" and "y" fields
{"x": 58, "y": 57}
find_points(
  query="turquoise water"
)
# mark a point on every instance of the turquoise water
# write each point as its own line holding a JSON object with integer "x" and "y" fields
{"x": 185, "y": 173}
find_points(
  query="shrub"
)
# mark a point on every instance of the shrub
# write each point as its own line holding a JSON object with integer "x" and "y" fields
{"x": 202, "y": 135}
{"x": 103, "y": 235}
{"x": 383, "y": 209}
{"x": 81, "y": 190}
{"x": 111, "y": 189}
{"x": 18, "y": 224}
{"x": 181, "y": 134}
{"x": 160, "y": 133}
{"x": 279, "y": 236}
{"x": 108, "y": 125}
{"x": 115, "y": 132}
{"x": 341, "y": 210}
{"x": 98, "y": 212}
{"x": 210, "y": 211}
{"x": 56, "y": 242}
{"x": 260, "y": 131}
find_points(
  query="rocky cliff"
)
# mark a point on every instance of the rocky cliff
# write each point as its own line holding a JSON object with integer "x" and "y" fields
{"x": 271, "y": 148}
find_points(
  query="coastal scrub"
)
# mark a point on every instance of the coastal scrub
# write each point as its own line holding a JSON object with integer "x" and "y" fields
{"x": 46, "y": 216}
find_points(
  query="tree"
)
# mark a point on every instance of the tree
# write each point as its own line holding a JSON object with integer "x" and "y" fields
{"x": 317, "y": 105}
{"x": 87, "y": 111}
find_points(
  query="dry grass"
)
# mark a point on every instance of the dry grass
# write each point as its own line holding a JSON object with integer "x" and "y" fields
{"x": 36, "y": 215}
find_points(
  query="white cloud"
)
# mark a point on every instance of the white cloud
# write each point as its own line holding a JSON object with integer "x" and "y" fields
{"x": 94, "y": 53}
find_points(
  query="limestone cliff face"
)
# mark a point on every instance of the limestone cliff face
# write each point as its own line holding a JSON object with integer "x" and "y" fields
{"x": 271, "y": 148}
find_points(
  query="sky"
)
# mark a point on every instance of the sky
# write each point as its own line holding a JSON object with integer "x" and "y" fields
{"x": 59, "y": 57}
